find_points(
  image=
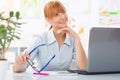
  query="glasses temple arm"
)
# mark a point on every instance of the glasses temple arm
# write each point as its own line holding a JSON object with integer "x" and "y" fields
{"x": 46, "y": 64}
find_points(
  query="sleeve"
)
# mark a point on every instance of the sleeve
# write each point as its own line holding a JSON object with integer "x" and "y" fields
{"x": 74, "y": 50}
{"x": 34, "y": 44}
{"x": 73, "y": 65}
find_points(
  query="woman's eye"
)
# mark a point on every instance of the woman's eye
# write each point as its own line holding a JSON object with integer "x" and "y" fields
{"x": 56, "y": 14}
{"x": 63, "y": 12}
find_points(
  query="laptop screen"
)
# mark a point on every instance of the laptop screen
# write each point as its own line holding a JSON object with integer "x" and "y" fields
{"x": 104, "y": 50}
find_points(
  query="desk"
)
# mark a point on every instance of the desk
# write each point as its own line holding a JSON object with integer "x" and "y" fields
{"x": 56, "y": 75}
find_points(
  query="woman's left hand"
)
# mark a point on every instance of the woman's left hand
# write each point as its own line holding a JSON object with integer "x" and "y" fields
{"x": 69, "y": 31}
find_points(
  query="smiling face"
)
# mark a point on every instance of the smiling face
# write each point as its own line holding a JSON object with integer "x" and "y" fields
{"x": 59, "y": 20}
{"x": 55, "y": 14}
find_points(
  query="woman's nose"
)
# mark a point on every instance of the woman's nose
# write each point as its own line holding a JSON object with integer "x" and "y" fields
{"x": 63, "y": 16}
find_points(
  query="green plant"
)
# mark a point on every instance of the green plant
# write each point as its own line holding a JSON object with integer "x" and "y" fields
{"x": 9, "y": 31}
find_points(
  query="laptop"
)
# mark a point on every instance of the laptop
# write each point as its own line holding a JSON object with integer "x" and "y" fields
{"x": 103, "y": 51}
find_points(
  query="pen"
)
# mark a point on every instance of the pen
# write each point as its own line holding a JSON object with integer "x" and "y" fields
{"x": 36, "y": 48}
{"x": 46, "y": 64}
{"x": 44, "y": 74}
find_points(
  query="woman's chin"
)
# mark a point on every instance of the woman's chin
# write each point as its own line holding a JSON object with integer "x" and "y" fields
{"x": 63, "y": 26}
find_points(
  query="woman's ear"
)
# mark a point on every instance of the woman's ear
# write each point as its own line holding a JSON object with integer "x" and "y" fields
{"x": 48, "y": 20}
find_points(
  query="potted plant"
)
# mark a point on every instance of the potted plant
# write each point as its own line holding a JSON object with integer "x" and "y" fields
{"x": 9, "y": 31}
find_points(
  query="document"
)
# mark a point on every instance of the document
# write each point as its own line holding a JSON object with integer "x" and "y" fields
{"x": 61, "y": 73}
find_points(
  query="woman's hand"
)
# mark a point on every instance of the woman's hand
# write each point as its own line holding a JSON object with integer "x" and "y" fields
{"x": 21, "y": 59}
{"x": 69, "y": 31}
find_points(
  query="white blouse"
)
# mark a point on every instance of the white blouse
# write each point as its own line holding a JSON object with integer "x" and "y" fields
{"x": 63, "y": 55}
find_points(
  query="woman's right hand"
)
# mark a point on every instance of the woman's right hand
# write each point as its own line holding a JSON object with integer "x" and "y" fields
{"x": 21, "y": 59}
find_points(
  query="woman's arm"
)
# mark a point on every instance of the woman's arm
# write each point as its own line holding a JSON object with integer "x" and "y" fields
{"x": 81, "y": 59}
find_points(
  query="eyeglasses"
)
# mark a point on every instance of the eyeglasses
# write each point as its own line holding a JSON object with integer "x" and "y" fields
{"x": 35, "y": 68}
{"x": 32, "y": 63}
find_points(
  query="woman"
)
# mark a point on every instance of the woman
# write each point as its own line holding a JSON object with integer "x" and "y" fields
{"x": 60, "y": 40}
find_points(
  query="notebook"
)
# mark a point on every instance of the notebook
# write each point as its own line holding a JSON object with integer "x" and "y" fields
{"x": 103, "y": 51}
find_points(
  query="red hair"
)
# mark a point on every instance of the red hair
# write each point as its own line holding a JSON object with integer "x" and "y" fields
{"x": 52, "y": 8}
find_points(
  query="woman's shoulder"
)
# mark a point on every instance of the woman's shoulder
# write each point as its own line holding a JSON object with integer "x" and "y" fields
{"x": 42, "y": 37}
{"x": 44, "y": 34}
{"x": 70, "y": 38}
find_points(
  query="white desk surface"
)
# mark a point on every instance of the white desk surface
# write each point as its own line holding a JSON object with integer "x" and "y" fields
{"x": 59, "y": 75}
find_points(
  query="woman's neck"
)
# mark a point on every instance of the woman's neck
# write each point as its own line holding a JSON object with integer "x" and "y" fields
{"x": 60, "y": 37}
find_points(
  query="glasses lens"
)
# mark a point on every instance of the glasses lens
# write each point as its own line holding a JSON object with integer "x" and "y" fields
{"x": 31, "y": 64}
{"x": 35, "y": 68}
